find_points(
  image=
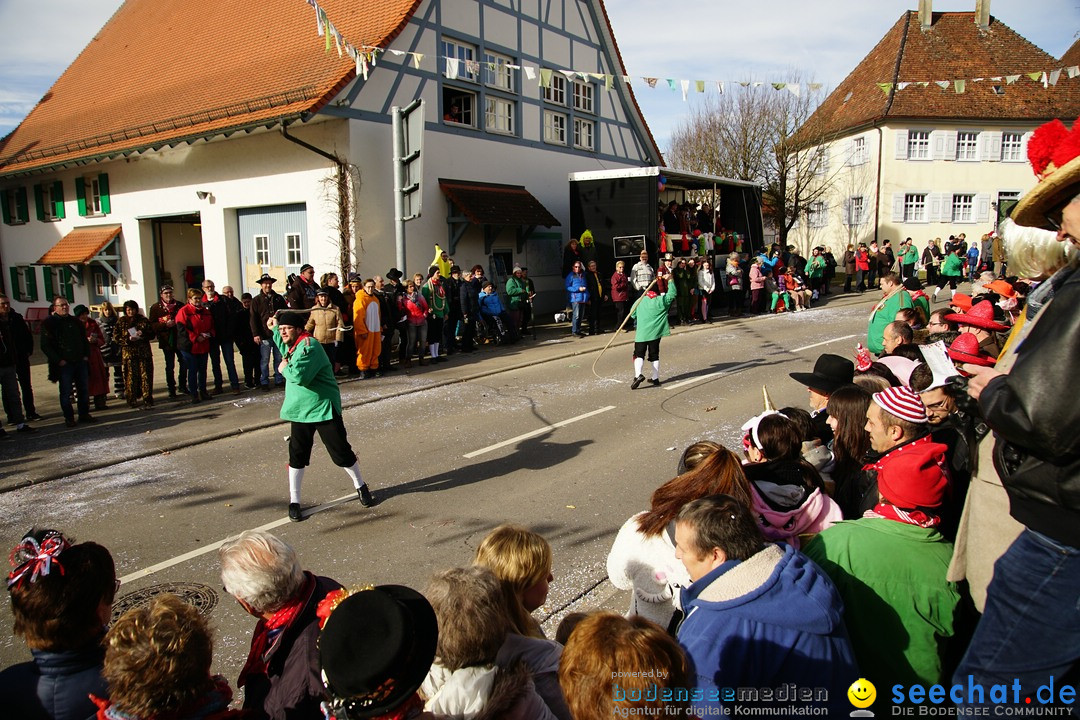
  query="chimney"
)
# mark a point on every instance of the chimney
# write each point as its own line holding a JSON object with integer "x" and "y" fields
{"x": 982, "y": 14}
{"x": 926, "y": 13}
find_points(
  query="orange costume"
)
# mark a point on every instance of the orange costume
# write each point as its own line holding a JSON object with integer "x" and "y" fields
{"x": 367, "y": 330}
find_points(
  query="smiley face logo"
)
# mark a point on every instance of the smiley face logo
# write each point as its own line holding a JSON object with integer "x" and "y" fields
{"x": 862, "y": 693}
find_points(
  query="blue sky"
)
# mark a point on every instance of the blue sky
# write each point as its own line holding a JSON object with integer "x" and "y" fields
{"x": 710, "y": 40}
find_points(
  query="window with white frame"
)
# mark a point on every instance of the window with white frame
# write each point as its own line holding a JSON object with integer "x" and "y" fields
{"x": 92, "y": 190}
{"x": 583, "y": 133}
{"x": 459, "y": 106}
{"x": 583, "y": 96}
{"x": 293, "y": 253}
{"x": 15, "y": 209}
{"x": 1012, "y": 145}
{"x": 918, "y": 145}
{"x": 104, "y": 284}
{"x": 554, "y": 128}
{"x": 963, "y": 208}
{"x": 858, "y": 151}
{"x": 497, "y": 71}
{"x": 817, "y": 214}
{"x": 499, "y": 115}
{"x": 967, "y": 146}
{"x": 262, "y": 249}
{"x": 52, "y": 202}
{"x": 555, "y": 92}
{"x": 915, "y": 207}
{"x": 856, "y": 208}
{"x": 465, "y": 54}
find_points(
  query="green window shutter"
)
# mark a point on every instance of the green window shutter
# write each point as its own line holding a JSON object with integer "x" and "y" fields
{"x": 39, "y": 202}
{"x": 20, "y": 203}
{"x": 69, "y": 289}
{"x": 31, "y": 283}
{"x": 5, "y": 214}
{"x": 15, "y": 295}
{"x": 58, "y": 199}
{"x": 80, "y": 195}
{"x": 103, "y": 188}
{"x": 47, "y": 276}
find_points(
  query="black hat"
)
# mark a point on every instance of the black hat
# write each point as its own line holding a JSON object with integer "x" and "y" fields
{"x": 386, "y": 633}
{"x": 322, "y": 291}
{"x": 912, "y": 284}
{"x": 266, "y": 278}
{"x": 353, "y": 277}
{"x": 292, "y": 318}
{"x": 393, "y": 274}
{"x": 830, "y": 372}
{"x": 305, "y": 266}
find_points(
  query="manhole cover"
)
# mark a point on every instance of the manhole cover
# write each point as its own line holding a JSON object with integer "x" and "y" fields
{"x": 203, "y": 597}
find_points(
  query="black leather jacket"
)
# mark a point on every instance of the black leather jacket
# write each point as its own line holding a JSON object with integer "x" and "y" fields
{"x": 1036, "y": 420}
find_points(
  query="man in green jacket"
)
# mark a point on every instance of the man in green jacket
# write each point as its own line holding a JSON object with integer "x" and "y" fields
{"x": 517, "y": 295}
{"x": 312, "y": 403}
{"x": 651, "y": 316}
{"x": 893, "y": 297}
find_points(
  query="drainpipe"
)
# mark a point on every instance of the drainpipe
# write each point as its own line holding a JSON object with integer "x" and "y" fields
{"x": 312, "y": 148}
{"x": 877, "y": 185}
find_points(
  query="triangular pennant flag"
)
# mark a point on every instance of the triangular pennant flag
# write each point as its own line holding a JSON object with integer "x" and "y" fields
{"x": 902, "y": 86}
{"x": 626, "y": 79}
{"x": 374, "y": 58}
{"x": 996, "y": 78}
{"x": 779, "y": 86}
{"x": 491, "y": 67}
{"x": 960, "y": 86}
{"x": 397, "y": 53}
{"x": 569, "y": 73}
{"x": 318, "y": 19}
{"x": 530, "y": 72}
{"x": 1044, "y": 80}
{"x": 758, "y": 84}
{"x": 337, "y": 41}
{"x": 651, "y": 82}
{"x": 923, "y": 83}
{"x": 720, "y": 88}
{"x": 943, "y": 84}
{"x": 793, "y": 89}
{"x": 545, "y": 77}
{"x": 328, "y": 32}
{"x": 1010, "y": 79}
{"x": 745, "y": 84}
{"x": 597, "y": 76}
{"x": 472, "y": 67}
{"x": 885, "y": 87}
{"x": 452, "y": 65}
{"x": 1054, "y": 76}
{"x": 416, "y": 58}
{"x": 671, "y": 84}
{"x": 513, "y": 67}
{"x": 815, "y": 86}
{"x": 685, "y": 84}
{"x": 1035, "y": 75}
{"x": 699, "y": 85}
{"x": 977, "y": 79}
{"x": 609, "y": 81}
{"x": 1072, "y": 71}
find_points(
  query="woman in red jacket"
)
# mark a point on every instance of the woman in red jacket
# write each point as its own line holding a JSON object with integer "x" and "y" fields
{"x": 195, "y": 327}
{"x": 862, "y": 266}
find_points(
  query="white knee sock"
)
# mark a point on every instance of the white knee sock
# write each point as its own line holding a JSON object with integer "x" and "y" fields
{"x": 296, "y": 476}
{"x": 655, "y": 369}
{"x": 639, "y": 363}
{"x": 354, "y": 474}
{"x": 434, "y": 350}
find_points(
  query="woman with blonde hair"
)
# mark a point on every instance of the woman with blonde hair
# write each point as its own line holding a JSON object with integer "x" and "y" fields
{"x": 521, "y": 559}
{"x": 642, "y": 558}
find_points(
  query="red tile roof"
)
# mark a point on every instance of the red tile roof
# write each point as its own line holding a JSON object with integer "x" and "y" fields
{"x": 495, "y": 204}
{"x": 952, "y": 48}
{"x": 1072, "y": 55}
{"x": 162, "y": 71}
{"x": 79, "y": 245}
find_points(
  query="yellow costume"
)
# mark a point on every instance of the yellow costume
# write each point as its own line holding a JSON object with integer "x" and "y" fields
{"x": 367, "y": 331}
{"x": 443, "y": 265}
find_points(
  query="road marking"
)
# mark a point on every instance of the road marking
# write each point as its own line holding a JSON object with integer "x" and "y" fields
{"x": 534, "y": 433}
{"x": 139, "y": 574}
{"x": 748, "y": 363}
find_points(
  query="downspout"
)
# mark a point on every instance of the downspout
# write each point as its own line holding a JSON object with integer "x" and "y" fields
{"x": 312, "y": 148}
{"x": 881, "y": 134}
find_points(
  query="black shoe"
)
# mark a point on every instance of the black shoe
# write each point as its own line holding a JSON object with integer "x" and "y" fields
{"x": 365, "y": 496}
{"x": 637, "y": 382}
{"x": 655, "y": 382}
{"x": 195, "y": 400}
{"x": 88, "y": 418}
{"x": 32, "y": 416}
{"x": 217, "y": 389}
{"x": 70, "y": 422}
{"x": 172, "y": 393}
{"x": 205, "y": 395}
{"x": 294, "y": 512}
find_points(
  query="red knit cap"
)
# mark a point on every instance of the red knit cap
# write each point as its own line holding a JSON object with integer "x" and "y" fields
{"x": 912, "y": 480}
{"x": 903, "y": 403}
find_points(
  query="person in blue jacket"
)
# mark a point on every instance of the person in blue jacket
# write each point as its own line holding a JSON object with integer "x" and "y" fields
{"x": 491, "y": 307}
{"x": 757, "y": 615}
{"x": 577, "y": 287}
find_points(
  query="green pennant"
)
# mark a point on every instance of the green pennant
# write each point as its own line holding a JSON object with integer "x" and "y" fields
{"x": 885, "y": 87}
{"x": 960, "y": 86}
{"x": 1036, "y": 76}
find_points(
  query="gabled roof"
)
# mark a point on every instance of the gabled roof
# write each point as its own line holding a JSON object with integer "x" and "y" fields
{"x": 496, "y": 204}
{"x": 1072, "y": 55}
{"x": 952, "y": 48}
{"x": 170, "y": 70}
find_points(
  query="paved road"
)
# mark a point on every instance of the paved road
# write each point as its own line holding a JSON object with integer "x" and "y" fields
{"x": 545, "y": 443}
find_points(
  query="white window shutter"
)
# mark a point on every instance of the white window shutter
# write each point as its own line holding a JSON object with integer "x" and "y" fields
{"x": 823, "y": 219}
{"x": 982, "y": 207}
{"x": 933, "y": 210}
{"x": 898, "y": 205}
{"x": 847, "y": 211}
{"x": 937, "y": 144}
{"x": 950, "y": 145}
{"x": 848, "y": 152}
{"x": 946, "y": 208}
{"x": 1023, "y": 145}
{"x": 901, "y": 147}
{"x": 991, "y": 146}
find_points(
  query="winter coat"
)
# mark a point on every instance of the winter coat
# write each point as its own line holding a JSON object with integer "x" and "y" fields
{"x": 882, "y": 315}
{"x": 263, "y": 307}
{"x": 415, "y": 308}
{"x": 123, "y": 339}
{"x": 849, "y": 262}
{"x": 641, "y": 275}
{"x": 63, "y": 337}
{"x": 485, "y": 692}
{"x": 899, "y": 606}
{"x": 651, "y": 315}
{"x": 862, "y": 261}
{"x": 517, "y": 293}
{"x": 490, "y": 304}
{"x": 196, "y": 322}
{"x": 596, "y": 288}
{"x": 223, "y": 311}
{"x": 291, "y": 687}
{"x": 772, "y": 619}
{"x": 816, "y": 267}
{"x": 325, "y": 324}
{"x": 54, "y": 685}
{"x": 620, "y": 287}
{"x": 301, "y": 295}
{"x": 706, "y": 280}
{"x": 787, "y": 503}
{"x": 953, "y": 266}
{"x": 435, "y": 294}
{"x": 577, "y": 286}
{"x": 470, "y": 300}
{"x": 757, "y": 278}
{"x": 159, "y": 315}
{"x": 311, "y": 392}
{"x": 110, "y": 352}
{"x": 646, "y": 565}
{"x": 541, "y": 658}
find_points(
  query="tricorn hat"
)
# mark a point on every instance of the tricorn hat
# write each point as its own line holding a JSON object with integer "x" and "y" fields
{"x": 830, "y": 372}
{"x": 965, "y": 349}
{"x": 981, "y": 315}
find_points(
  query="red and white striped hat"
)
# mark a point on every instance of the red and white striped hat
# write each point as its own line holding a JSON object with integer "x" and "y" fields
{"x": 903, "y": 403}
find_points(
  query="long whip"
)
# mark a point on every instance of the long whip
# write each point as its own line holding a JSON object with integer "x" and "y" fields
{"x": 625, "y": 320}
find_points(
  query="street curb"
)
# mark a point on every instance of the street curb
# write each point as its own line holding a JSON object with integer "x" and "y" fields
{"x": 91, "y": 467}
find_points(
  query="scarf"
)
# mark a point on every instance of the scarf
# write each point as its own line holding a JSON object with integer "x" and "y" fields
{"x": 214, "y": 704}
{"x": 267, "y": 631}
{"x": 889, "y": 511}
{"x": 299, "y": 339}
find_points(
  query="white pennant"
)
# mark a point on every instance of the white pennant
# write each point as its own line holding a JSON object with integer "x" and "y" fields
{"x": 530, "y": 72}
{"x": 1072, "y": 71}
{"x": 685, "y": 84}
{"x": 452, "y": 68}
{"x": 1054, "y": 76}
{"x": 943, "y": 84}
{"x": 720, "y": 88}
{"x": 794, "y": 89}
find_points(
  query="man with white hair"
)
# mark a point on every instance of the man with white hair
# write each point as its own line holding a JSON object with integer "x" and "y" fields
{"x": 281, "y": 676}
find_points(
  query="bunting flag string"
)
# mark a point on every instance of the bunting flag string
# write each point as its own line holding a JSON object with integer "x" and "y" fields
{"x": 366, "y": 56}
